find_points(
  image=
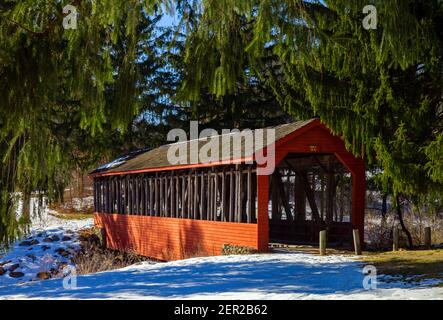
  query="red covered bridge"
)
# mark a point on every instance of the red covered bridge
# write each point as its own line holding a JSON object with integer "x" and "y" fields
{"x": 169, "y": 212}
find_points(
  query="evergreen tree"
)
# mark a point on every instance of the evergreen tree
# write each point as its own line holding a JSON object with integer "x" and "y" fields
{"x": 380, "y": 88}
{"x": 65, "y": 94}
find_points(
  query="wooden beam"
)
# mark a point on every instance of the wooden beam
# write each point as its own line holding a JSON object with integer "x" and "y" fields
{"x": 282, "y": 194}
{"x": 309, "y": 193}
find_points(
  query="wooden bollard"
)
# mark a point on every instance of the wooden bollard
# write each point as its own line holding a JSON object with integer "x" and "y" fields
{"x": 428, "y": 241}
{"x": 357, "y": 246}
{"x": 395, "y": 239}
{"x": 103, "y": 234}
{"x": 322, "y": 238}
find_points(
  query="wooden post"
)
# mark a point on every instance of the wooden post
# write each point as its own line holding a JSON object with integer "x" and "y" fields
{"x": 357, "y": 246}
{"x": 322, "y": 238}
{"x": 395, "y": 239}
{"x": 262, "y": 212}
{"x": 428, "y": 239}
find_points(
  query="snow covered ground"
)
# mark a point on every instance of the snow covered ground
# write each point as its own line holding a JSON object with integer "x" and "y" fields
{"x": 266, "y": 276}
{"x": 260, "y": 276}
{"x": 44, "y": 252}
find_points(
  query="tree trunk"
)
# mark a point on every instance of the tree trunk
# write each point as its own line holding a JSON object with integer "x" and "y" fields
{"x": 402, "y": 223}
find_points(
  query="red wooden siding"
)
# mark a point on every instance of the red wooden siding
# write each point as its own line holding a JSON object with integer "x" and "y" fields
{"x": 173, "y": 238}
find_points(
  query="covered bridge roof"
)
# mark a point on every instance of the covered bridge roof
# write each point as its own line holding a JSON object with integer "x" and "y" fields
{"x": 157, "y": 159}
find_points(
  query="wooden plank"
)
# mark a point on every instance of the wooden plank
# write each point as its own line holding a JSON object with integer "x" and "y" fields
{"x": 127, "y": 211}
{"x": 177, "y": 196}
{"x": 151, "y": 196}
{"x": 216, "y": 192}
{"x": 189, "y": 196}
{"x": 209, "y": 195}
{"x": 167, "y": 195}
{"x": 231, "y": 196}
{"x": 117, "y": 194}
{"x": 173, "y": 194}
{"x": 239, "y": 196}
{"x": 130, "y": 193}
{"x": 183, "y": 199}
{"x": 223, "y": 195}
{"x": 249, "y": 195}
{"x": 137, "y": 195}
{"x": 157, "y": 195}
{"x": 146, "y": 196}
{"x": 196, "y": 215}
{"x": 202, "y": 196}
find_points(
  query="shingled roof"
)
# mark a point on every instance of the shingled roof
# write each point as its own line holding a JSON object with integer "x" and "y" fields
{"x": 157, "y": 158}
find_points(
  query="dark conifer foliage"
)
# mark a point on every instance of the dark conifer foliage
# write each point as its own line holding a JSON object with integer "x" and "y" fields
{"x": 380, "y": 88}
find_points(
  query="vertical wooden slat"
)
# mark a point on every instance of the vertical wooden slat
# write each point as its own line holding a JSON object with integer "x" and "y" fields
{"x": 210, "y": 197}
{"x": 240, "y": 193}
{"x": 177, "y": 195}
{"x": 162, "y": 196}
{"x": 183, "y": 200}
{"x": 105, "y": 196}
{"x": 157, "y": 195}
{"x": 202, "y": 196}
{"x": 95, "y": 195}
{"x": 231, "y": 195}
{"x": 223, "y": 196}
{"x": 151, "y": 196}
{"x": 117, "y": 195}
{"x": 108, "y": 195}
{"x": 113, "y": 195}
{"x": 132, "y": 195}
{"x": 127, "y": 195}
{"x": 120, "y": 210}
{"x": 166, "y": 195}
{"x": 195, "y": 209}
{"x": 146, "y": 193}
{"x": 249, "y": 195}
{"x": 189, "y": 197}
{"x": 216, "y": 216}
{"x": 137, "y": 195}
